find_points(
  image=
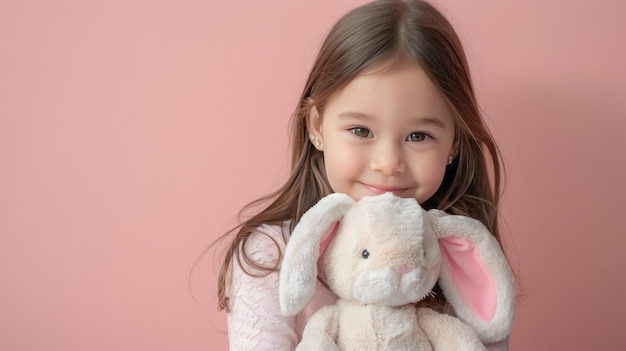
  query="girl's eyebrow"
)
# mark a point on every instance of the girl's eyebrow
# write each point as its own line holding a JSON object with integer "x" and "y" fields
{"x": 434, "y": 121}
{"x": 357, "y": 115}
{"x": 421, "y": 120}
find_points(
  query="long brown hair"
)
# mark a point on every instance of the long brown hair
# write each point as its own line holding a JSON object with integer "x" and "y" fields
{"x": 387, "y": 32}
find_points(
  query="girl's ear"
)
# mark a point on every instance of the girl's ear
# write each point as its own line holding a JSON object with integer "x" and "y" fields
{"x": 475, "y": 276}
{"x": 298, "y": 273}
{"x": 314, "y": 127}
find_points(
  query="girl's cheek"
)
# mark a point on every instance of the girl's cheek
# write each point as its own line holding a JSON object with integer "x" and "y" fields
{"x": 344, "y": 152}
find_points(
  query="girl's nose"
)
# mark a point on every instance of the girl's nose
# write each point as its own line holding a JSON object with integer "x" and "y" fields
{"x": 388, "y": 160}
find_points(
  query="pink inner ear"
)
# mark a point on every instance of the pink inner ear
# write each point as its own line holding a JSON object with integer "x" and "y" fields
{"x": 328, "y": 236}
{"x": 473, "y": 279}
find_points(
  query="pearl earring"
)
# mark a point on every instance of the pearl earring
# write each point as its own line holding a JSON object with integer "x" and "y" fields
{"x": 450, "y": 159}
{"x": 314, "y": 140}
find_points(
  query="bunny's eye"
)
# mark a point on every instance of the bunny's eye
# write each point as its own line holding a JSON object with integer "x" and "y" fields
{"x": 365, "y": 253}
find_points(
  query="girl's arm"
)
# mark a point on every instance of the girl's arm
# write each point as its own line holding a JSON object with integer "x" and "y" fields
{"x": 255, "y": 321}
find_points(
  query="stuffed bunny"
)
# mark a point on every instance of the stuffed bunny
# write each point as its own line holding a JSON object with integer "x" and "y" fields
{"x": 382, "y": 255}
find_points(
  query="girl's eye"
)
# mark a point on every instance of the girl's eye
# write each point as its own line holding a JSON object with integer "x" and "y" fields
{"x": 417, "y": 136}
{"x": 362, "y": 132}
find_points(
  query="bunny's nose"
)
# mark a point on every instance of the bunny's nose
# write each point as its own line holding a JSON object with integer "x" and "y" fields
{"x": 403, "y": 269}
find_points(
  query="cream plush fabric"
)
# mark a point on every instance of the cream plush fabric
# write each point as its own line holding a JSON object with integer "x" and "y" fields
{"x": 256, "y": 322}
{"x": 386, "y": 257}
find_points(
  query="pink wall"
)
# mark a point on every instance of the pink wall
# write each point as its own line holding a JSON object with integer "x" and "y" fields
{"x": 132, "y": 131}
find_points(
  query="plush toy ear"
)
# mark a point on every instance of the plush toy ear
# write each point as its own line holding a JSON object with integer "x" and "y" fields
{"x": 475, "y": 276}
{"x": 298, "y": 273}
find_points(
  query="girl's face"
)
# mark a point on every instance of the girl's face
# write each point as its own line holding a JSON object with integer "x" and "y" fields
{"x": 386, "y": 132}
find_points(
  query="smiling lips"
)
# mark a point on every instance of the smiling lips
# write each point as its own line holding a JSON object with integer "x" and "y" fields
{"x": 380, "y": 189}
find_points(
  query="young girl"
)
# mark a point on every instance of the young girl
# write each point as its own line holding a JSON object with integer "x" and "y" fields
{"x": 388, "y": 107}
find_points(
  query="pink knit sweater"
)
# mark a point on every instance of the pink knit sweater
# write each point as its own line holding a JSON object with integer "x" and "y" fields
{"x": 255, "y": 321}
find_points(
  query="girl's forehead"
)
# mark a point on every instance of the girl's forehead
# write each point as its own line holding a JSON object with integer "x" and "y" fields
{"x": 389, "y": 72}
{"x": 404, "y": 89}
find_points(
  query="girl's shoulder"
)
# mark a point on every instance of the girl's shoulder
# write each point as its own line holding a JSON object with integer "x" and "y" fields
{"x": 266, "y": 242}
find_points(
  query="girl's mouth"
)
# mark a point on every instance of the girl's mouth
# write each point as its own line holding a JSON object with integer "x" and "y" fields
{"x": 381, "y": 189}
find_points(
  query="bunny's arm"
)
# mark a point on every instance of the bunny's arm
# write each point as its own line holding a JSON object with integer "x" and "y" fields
{"x": 447, "y": 333}
{"x": 321, "y": 330}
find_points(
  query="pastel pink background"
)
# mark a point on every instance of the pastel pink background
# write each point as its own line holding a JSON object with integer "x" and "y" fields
{"x": 131, "y": 132}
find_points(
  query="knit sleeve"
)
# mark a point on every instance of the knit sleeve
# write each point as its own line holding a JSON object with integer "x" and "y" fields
{"x": 255, "y": 321}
